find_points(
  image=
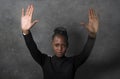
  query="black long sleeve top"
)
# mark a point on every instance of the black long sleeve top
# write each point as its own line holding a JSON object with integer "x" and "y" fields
{"x": 55, "y": 67}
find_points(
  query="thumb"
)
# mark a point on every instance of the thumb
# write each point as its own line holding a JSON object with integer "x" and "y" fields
{"x": 83, "y": 24}
{"x": 34, "y": 22}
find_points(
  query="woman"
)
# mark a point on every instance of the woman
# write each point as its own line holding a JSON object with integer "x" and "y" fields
{"x": 58, "y": 66}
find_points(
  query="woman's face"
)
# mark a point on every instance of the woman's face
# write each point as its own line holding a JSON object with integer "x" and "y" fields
{"x": 59, "y": 45}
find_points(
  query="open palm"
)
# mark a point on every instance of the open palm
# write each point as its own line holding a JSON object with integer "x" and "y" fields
{"x": 26, "y": 19}
{"x": 93, "y": 23}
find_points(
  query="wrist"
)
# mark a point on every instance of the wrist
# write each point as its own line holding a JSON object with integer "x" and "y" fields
{"x": 25, "y": 32}
{"x": 92, "y": 35}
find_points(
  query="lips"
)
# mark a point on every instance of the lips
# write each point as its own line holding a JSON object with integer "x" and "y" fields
{"x": 60, "y": 52}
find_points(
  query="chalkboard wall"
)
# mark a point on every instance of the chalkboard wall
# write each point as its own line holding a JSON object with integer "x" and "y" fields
{"x": 104, "y": 60}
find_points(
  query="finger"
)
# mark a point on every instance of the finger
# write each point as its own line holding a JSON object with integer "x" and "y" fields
{"x": 89, "y": 14}
{"x": 82, "y": 23}
{"x": 34, "y": 22}
{"x": 96, "y": 16}
{"x": 92, "y": 13}
{"x": 31, "y": 10}
{"x": 27, "y": 11}
{"x": 22, "y": 12}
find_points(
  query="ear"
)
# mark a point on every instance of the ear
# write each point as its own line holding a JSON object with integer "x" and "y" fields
{"x": 52, "y": 43}
{"x": 67, "y": 44}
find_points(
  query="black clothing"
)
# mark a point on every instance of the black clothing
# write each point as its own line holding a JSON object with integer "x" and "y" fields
{"x": 55, "y": 67}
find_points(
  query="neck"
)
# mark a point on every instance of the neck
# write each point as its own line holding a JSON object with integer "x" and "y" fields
{"x": 59, "y": 56}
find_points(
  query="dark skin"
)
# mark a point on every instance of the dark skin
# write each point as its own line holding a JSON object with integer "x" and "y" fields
{"x": 59, "y": 43}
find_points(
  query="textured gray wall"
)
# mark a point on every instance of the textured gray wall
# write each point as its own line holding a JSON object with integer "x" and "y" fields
{"x": 15, "y": 59}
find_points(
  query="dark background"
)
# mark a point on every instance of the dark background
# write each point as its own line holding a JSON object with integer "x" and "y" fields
{"x": 15, "y": 59}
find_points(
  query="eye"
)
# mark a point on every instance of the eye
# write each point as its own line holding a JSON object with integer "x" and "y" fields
{"x": 63, "y": 45}
{"x": 56, "y": 45}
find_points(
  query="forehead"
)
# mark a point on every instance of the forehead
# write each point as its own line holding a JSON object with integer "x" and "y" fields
{"x": 59, "y": 39}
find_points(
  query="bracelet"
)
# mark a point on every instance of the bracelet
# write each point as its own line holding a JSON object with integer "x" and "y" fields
{"x": 24, "y": 33}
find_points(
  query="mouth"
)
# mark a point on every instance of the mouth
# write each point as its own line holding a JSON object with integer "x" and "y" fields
{"x": 60, "y": 52}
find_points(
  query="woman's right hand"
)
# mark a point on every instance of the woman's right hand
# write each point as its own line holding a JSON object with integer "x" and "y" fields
{"x": 26, "y": 19}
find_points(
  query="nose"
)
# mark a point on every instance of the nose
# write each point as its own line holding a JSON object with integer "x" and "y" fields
{"x": 60, "y": 48}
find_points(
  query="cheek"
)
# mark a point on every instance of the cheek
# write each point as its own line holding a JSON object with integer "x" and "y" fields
{"x": 54, "y": 48}
{"x": 64, "y": 49}
{"x": 57, "y": 49}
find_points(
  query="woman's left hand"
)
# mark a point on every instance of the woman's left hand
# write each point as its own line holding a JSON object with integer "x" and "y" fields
{"x": 92, "y": 25}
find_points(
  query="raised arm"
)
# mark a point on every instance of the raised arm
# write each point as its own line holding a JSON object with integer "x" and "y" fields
{"x": 26, "y": 25}
{"x": 92, "y": 28}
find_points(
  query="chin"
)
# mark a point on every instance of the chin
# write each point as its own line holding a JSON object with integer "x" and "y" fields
{"x": 59, "y": 55}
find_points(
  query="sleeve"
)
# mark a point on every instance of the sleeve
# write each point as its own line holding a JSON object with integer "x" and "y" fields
{"x": 36, "y": 54}
{"x": 82, "y": 57}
